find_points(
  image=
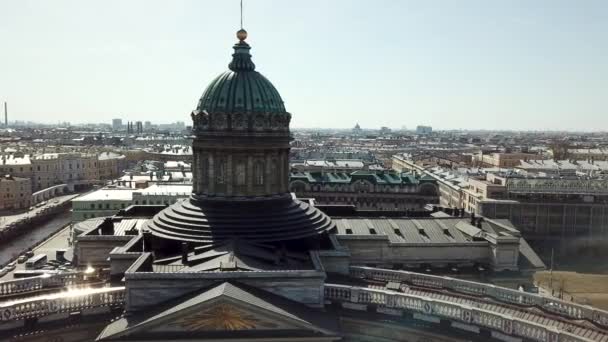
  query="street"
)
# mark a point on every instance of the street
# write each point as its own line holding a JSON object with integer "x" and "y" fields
{"x": 11, "y": 249}
{"x": 5, "y": 220}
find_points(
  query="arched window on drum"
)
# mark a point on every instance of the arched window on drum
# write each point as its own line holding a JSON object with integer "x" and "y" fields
{"x": 241, "y": 176}
{"x": 274, "y": 165}
{"x": 221, "y": 171}
{"x": 258, "y": 173}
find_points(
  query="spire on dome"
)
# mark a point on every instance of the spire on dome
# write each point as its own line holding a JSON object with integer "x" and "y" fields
{"x": 241, "y": 59}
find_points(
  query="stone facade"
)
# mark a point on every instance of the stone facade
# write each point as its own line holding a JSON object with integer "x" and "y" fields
{"x": 366, "y": 190}
{"x": 74, "y": 169}
{"x": 15, "y": 193}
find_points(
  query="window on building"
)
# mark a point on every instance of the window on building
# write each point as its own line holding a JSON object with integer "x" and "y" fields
{"x": 259, "y": 173}
{"x": 240, "y": 173}
{"x": 92, "y": 205}
{"x": 221, "y": 171}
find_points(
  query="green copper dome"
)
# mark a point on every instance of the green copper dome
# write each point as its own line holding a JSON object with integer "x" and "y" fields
{"x": 241, "y": 89}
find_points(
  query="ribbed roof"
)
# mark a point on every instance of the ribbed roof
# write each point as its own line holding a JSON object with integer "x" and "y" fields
{"x": 211, "y": 221}
{"x": 241, "y": 89}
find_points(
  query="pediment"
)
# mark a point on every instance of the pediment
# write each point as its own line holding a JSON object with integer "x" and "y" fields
{"x": 225, "y": 315}
{"x": 224, "y": 310}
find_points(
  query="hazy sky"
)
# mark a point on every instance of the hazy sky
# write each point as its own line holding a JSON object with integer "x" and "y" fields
{"x": 450, "y": 64}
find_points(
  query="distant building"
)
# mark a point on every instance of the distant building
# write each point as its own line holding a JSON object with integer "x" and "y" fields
{"x": 108, "y": 201}
{"x": 567, "y": 212}
{"x": 424, "y": 129}
{"x": 385, "y": 130}
{"x": 15, "y": 193}
{"x": 77, "y": 170}
{"x": 139, "y": 127}
{"x": 565, "y": 167}
{"x": 588, "y": 153}
{"x": 117, "y": 124}
{"x": 331, "y": 165}
{"x": 147, "y": 126}
{"x": 503, "y": 160}
{"x": 366, "y": 190}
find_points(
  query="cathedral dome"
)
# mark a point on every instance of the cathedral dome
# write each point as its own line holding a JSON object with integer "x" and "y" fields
{"x": 241, "y": 89}
{"x": 240, "y": 169}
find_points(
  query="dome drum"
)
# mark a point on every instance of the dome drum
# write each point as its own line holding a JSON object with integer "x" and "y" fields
{"x": 240, "y": 121}
{"x": 238, "y": 140}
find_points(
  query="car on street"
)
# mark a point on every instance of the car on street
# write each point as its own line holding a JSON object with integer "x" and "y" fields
{"x": 22, "y": 259}
{"x": 11, "y": 266}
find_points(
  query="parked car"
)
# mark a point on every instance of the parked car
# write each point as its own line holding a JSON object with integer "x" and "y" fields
{"x": 22, "y": 259}
{"x": 29, "y": 254}
{"x": 3, "y": 272}
{"x": 11, "y": 266}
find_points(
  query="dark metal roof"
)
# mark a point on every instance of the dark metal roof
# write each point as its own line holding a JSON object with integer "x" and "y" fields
{"x": 256, "y": 220}
{"x": 375, "y": 177}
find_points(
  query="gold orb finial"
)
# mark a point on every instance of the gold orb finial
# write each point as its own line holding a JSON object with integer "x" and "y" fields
{"x": 241, "y": 34}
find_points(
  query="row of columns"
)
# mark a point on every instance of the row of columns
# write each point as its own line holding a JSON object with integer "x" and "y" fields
{"x": 274, "y": 164}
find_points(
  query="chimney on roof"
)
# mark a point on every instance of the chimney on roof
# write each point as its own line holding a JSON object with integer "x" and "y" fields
{"x": 5, "y": 114}
{"x": 455, "y": 212}
{"x": 107, "y": 226}
{"x": 146, "y": 241}
{"x": 185, "y": 250}
{"x": 479, "y": 221}
{"x": 472, "y": 219}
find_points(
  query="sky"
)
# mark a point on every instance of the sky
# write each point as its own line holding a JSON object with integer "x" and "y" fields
{"x": 451, "y": 64}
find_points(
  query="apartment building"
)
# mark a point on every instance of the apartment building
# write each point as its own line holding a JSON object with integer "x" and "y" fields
{"x": 15, "y": 193}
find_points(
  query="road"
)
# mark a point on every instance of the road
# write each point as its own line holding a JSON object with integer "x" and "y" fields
{"x": 5, "y": 220}
{"x": 11, "y": 249}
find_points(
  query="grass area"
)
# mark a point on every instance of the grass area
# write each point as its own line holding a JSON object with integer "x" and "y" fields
{"x": 584, "y": 288}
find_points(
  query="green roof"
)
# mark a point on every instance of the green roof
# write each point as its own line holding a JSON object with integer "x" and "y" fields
{"x": 241, "y": 89}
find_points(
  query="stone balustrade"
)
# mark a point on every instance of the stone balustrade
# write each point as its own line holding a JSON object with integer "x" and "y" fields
{"x": 455, "y": 312}
{"x": 64, "y": 302}
{"x": 23, "y": 285}
{"x": 563, "y": 308}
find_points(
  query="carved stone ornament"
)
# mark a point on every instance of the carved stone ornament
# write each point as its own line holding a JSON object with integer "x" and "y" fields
{"x": 239, "y": 121}
{"x": 260, "y": 121}
{"x": 200, "y": 120}
{"x": 220, "y": 121}
{"x": 276, "y": 121}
